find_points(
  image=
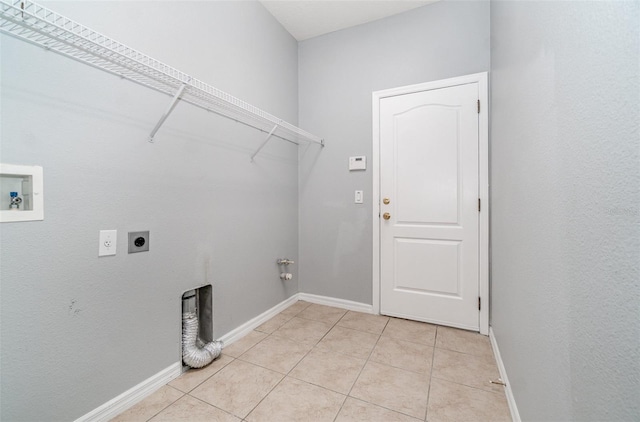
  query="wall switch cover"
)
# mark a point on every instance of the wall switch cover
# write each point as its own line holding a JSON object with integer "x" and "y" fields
{"x": 107, "y": 242}
{"x": 358, "y": 163}
{"x": 359, "y": 198}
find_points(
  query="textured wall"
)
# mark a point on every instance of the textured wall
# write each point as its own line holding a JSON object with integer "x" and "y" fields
{"x": 338, "y": 73}
{"x": 78, "y": 330}
{"x": 566, "y": 206}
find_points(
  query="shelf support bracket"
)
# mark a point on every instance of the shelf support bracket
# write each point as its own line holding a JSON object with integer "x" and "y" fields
{"x": 264, "y": 143}
{"x": 166, "y": 114}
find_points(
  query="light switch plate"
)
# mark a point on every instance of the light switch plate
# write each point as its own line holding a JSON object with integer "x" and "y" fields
{"x": 359, "y": 197}
{"x": 358, "y": 163}
{"x": 107, "y": 242}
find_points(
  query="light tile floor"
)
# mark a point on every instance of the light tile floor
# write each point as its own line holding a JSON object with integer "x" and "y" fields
{"x": 319, "y": 363}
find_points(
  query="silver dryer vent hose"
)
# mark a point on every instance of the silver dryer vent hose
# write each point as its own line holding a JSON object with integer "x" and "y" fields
{"x": 192, "y": 355}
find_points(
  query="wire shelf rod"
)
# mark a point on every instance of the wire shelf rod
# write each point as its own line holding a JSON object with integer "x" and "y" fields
{"x": 30, "y": 22}
{"x": 166, "y": 114}
{"x": 264, "y": 142}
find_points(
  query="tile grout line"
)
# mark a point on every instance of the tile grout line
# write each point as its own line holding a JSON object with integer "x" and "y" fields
{"x": 244, "y": 418}
{"x": 400, "y": 367}
{"x": 264, "y": 332}
{"x": 158, "y": 412}
{"x": 206, "y": 379}
{"x": 262, "y": 399}
{"x": 475, "y": 355}
{"x": 238, "y": 358}
{"x": 367, "y": 361}
{"x": 433, "y": 359}
{"x": 209, "y": 404}
{"x": 362, "y": 369}
{"x": 314, "y": 320}
{"x": 471, "y": 386}
{"x": 333, "y": 352}
{"x": 287, "y": 374}
{"x": 467, "y": 353}
{"x": 315, "y": 346}
{"x": 490, "y": 357}
{"x": 267, "y": 335}
{"x": 271, "y": 390}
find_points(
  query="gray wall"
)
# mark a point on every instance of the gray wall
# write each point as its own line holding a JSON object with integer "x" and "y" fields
{"x": 78, "y": 330}
{"x": 566, "y": 206}
{"x": 338, "y": 73}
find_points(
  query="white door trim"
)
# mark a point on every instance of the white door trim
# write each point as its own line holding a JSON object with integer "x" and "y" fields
{"x": 483, "y": 189}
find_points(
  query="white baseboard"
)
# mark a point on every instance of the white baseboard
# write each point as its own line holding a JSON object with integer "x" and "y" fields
{"x": 130, "y": 397}
{"x": 515, "y": 415}
{"x": 247, "y": 327}
{"x": 114, "y": 407}
{"x": 338, "y": 303}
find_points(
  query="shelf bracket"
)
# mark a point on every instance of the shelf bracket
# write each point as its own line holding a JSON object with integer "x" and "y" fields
{"x": 264, "y": 143}
{"x": 166, "y": 114}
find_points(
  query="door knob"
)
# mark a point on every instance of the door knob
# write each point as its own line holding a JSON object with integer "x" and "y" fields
{"x": 386, "y": 216}
{"x": 386, "y": 201}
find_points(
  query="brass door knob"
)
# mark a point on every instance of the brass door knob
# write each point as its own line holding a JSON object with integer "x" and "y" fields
{"x": 386, "y": 201}
{"x": 386, "y": 216}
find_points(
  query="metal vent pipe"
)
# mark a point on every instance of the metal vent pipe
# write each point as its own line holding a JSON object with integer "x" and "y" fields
{"x": 195, "y": 352}
{"x": 192, "y": 355}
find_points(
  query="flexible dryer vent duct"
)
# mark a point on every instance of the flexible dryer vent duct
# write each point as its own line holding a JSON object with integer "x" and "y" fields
{"x": 192, "y": 355}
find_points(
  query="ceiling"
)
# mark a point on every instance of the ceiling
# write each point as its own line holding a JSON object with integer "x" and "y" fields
{"x": 306, "y": 19}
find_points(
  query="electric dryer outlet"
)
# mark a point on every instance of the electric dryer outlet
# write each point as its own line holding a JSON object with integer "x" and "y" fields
{"x": 138, "y": 241}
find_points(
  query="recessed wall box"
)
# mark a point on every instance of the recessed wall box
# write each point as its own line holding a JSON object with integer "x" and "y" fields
{"x": 138, "y": 241}
{"x": 358, "y": 163}
{"x": 21, "y": 195}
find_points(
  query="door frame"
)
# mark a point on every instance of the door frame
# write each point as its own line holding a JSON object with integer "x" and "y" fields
{"x": 483, "y": 179}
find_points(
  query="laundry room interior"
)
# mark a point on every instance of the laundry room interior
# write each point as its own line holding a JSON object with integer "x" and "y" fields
{"x": 221, "y": 158}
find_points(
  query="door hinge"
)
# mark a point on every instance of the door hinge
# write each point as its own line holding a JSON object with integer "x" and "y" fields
{"x": 478, "y": 106}
{"x": 479, "y": 205}
{"x": 479, "y": 303}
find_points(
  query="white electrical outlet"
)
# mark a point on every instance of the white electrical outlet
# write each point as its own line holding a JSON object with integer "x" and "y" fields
{"x": 107, "y": 242}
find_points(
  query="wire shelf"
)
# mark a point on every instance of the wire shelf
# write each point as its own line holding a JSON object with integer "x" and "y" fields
{"x": 33, "y": 23}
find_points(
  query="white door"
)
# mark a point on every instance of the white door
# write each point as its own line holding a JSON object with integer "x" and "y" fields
{"x": 429, "y": 224}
